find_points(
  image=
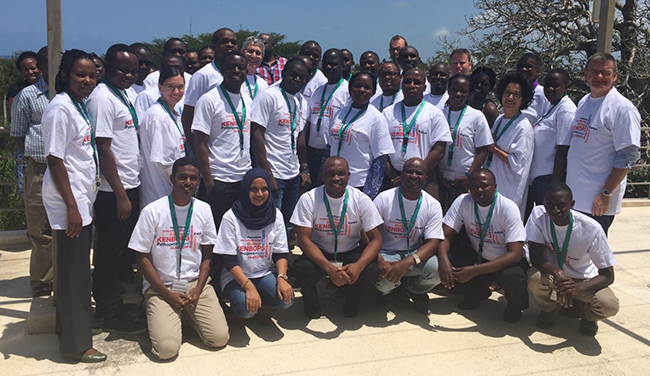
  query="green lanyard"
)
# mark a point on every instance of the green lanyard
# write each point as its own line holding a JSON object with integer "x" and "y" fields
{"x": 349, "y": 77}
{"x": 381, "y": 100}
{"x": 81, "y": 108}
{"x": 240, "y": 121}
{"x": 324, "y": 105}
{"x": 548, "y": 112}
{"x": 454, "y": 133}
{"x": 336, "y": 231}
{"x": 292, "y": 118}
{"x": 484, "y": 227}
{"x": 560, "y": 254}
{"x": 252, "y": 93}
{"x": 497, "y": 135}
{"x": 408, "y": 226}
{"x": 180, "y": 241}
{"x": 127, "y": 103}
{"x": 406, "y": 128}
{"x": 171, "y": 114}
{"x": 344, "y": 126}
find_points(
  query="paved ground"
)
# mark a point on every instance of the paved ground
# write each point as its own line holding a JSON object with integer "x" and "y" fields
{"x": 395, "y": 340}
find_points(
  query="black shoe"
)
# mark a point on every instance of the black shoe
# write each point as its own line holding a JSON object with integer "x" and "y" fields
{"x": 312, "y": 313}
{"x": 124, "y": 324}
{"x": 545, "y": 320}
{"x": 421, "y": 302}
{"x": 95, "y": 357}
{"x": 512, "y": 314}
{"x": 350, "y": 307}
{"x": 382, "y": 300}
{"x": 469, "y": 304}
{"x": 588, "y": 328}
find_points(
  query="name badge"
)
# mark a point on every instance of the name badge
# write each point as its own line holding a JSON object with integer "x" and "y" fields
{"x": 554, "y": 295}
{"x": 336, "y": 264}
{"x": 179, "y": 286}
{"x": 293, "y": 160}
{"x": 97, "y": 183}
{"x": 449, "y": 175}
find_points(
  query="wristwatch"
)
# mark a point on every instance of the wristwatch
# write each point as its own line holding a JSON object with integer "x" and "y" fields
{"x": 606, "y": 192}
{"x": 416, "y": 258}
{"x": 283, "y": 276}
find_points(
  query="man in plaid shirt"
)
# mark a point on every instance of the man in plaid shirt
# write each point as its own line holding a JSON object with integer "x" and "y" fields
{"x": 272, "y": 64}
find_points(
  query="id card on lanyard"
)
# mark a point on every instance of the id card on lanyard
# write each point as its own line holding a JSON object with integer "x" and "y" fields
{"x": 178, "y": 284}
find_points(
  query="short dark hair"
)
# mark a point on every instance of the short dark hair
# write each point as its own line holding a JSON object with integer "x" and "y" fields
{"x": 557, "y": 186}
{"x": 185, "y": 161}
{"x": 214, "y": 35}
{"x": 231, "y": 53}
{"x": 458, "y": 77}
{"x": 529, "y": 55}
{"x": 25, "y": 55}
{"x": 169, "y": 72}
{"x": 205, "y": 48}
{"x": 359, "y": 74}
{"x": 397, "y": 37}
{"x": 463, "y": 51}
{"x": 563, "y": 73}
{"x": 170, "y": 40}
{"x": 68, "y": 59}
{"x": 484, "y": 170}
{"x": 488, "y": 72}
{"x": 111, "y": 53}
{"x": 601, "y": 57}
{"x": 139, "y": 46}
{"x": 516, "y": 78}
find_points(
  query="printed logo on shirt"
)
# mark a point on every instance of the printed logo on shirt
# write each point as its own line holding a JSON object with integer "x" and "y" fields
{"x": 492, "y": 236}
{"x": 582, "y": 127}
{"x": 87, "y": 139}
{"x": 396, "y": 229}
{"x": 567, "y": 259}
{"x": 256, "y": 247}
{"x": 168, "y": 239}
{"x": 315, "y": 110}
{"x": 397, "y": 133}
{"x": 129, "y": 124}
{"x": 231, "y": 124}
{"x": 322, "y": 224}
{"x": 285, "y": 120}
{"x": 347, "y": 139}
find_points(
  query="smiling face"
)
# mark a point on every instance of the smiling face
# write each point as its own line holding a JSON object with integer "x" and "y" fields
{"x": 172, "y": 90}
{"x": 335, "y": 176}
{"x": 482, "y": 187}
{"x": 459, "y": 92}
{"x": 414, "y": 175}
{"x": 254, "y": 55}
{"x": 122, "y": 72}
{"x": 601, "y": 77}
{"x": 259, "y": 192}
{"x": 395, "y": 47}
{"x": 185, "y": 181}
{"x": 81, "y": 80}
{"x": 408, "y": 58}
{"x": 29, "y": 70}
{"x": 361, "y": 90}
{"x": 234, "y": 70}
{"x": 389, "y": 78}
{"x": 438, "y": 77}
{"x": 482, "y": 84}
{"x": 511, "y": 99}
{"x": 224, "y": 42}
{"x": 554, "y": 87}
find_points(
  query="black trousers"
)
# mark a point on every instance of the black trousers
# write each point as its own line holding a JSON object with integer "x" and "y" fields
{"x": 112, "y": 246}
{"x": 511, "y": 279}
{"x": 73, "y": 310}
{"x": 221, "y": 198}
{"x": 307, "y": 275}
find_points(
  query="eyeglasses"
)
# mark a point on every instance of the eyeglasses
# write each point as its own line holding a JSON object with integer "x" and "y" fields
{"x": 254, "y": 52}
{"x": 508, "y": 93}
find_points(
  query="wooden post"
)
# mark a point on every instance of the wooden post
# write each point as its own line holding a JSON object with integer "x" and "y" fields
{"x": 606, "y": 25}
{"x": 54, "y": 41}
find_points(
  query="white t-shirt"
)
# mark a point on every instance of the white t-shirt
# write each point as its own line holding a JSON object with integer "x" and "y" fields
{"x": 66, "y": 136}
{"x": 154, "y": 234}
{"x": 386, "y": 100}
{"x": 361, "y": 214}
{"x": 430, "y": 127}
{"x": 113, "y": 120}
{"x": 138, "y": 88}
{"x": 154, "y": 77}
{"x": 214, "y": 117}
{"x": 270, "y": 111}
{"x": 340, "y": 98}
{"x": 254, "y": 248}
{"x": 473, "y": 132}
{"x": 505, "y": 226}
{"x": 314, "y": 83}
{"x": 363, "y": 141}
{"x": 551, "y": 128}
{"x": 588, "y": 248}
{"x": 252, "y": 79}
{"x": 437, "y": 100}
{"x": 601, "y": 127}
{"x": 163, "y": 142}
{"x": 202, "y": 81}
{"x": 147, "y": 98}
{"x": 428, "y": 224}
{"x": 538, "y": 106}
{"x": 518, "y": 141}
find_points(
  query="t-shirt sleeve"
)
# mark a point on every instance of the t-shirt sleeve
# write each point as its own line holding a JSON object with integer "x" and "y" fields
{"x": 626, "y": 128}
{"x": 58, "y": 138}
{"x": 261, "y": 109}
{"x": 144, "y": 233}
{"x": 142, "y": 104}
{"x": 521, "y": 150}
{"x": 433, "y": 227}
{"x": 303, "y": 214}
{"x": 369, "y": 214}
{"x": 204, "y": 112}
{"x": 440, "y": 128}
{"x": 226, "y": 242}
{"x": 514, "y": 226}
{"x": 280, "y": 245}
{"x": 209, "y": 234}
{"x": 534, "y": 232}
{"x": 453, "y": 218}
{"x": 102, "y": 113}
{"x": 381, "y": 143}
{"x": 563, "y": 126}
{"x": 195, "y": 89}
{"x": 566, "y": 139}
{"x": 482, "y": 135}
{"x": 600, "y": 252}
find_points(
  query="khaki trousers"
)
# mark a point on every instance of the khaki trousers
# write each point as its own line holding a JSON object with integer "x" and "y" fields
{"x": 599, "y": 305}
{"x": 41, "y": 272}
{"x": 164, "y": 322}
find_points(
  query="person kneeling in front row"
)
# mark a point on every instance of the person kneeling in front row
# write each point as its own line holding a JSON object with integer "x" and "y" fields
{"x": 175, "y": 264}
{"x": 571, "y": 261}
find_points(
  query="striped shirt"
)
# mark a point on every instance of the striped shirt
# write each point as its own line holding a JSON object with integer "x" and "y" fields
{"x": 272, "y": 72}
{"x": 26, "y": 113}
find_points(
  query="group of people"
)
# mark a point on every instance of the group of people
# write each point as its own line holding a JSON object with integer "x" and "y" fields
{"x": 208, "y": 166}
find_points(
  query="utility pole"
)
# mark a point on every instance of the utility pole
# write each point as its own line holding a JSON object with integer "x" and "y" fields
{"x": 603, "y": 11}
{"x": 54, "y": 41}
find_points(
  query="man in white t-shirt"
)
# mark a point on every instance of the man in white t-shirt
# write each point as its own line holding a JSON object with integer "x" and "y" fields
{"x": 313, "y": 51}
{"x": 223, "y": 40}
{"x": 145, "y": 61}
{"x": 326, "y": 100}
{"x": 330, "y": 220}
{"x": 572, "y": 261}
{"x": 409, "y": 58}
{"x": 277, "y": 137}
{"x": 438, "y": 77}
{"x": 118, "y": 201}
{"x": 390, "y": 86}
{"x": 173, "y": 47}
{"x": 494, "y": 230}
{"x": 175, "y": 266}
{"x": 222, "y": 131}
{"x": 410, "y": 236}
{"x": 603, "y": 143}
{"x": 529, "y": 65}
{"x": 424, "y": 125}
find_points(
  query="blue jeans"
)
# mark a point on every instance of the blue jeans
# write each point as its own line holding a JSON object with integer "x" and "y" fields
{"x": 288, "y": 193}
{"x": 424, "y": 276}
{"x": 266, "y": 286}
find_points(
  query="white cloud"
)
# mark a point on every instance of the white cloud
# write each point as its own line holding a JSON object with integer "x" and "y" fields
{"x": 441, "y": 32}
{"x": 403, "y": 4}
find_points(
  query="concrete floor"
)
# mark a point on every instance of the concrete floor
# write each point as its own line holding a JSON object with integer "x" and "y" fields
{"x": 390, "y": 341}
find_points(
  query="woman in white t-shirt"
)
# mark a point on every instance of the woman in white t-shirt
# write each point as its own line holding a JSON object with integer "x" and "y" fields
{"x": 360, "y": 135}
{"x": 253, "y": 49}
{"x": 512, "y": 151}
{"x": 251, "y": 239}
{"x": 69, "y": 191}
{"x": 162, "y": 137}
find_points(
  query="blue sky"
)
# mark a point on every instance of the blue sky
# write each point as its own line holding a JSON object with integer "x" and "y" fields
{"x": 356, "y": 25}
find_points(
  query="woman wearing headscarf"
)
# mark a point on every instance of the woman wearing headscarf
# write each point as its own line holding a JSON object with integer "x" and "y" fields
{"x": 252, "y": 240}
